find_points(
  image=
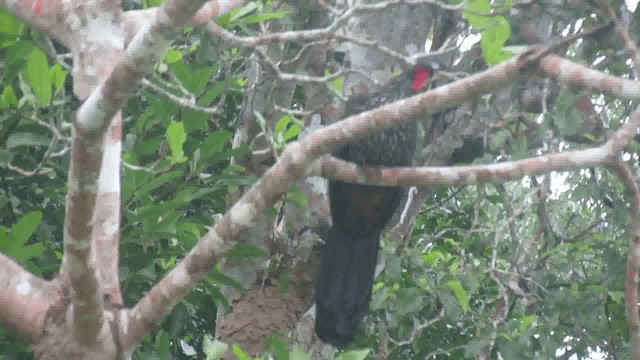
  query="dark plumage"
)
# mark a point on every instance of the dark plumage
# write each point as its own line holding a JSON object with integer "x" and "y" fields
{"x": 360, "y": 213}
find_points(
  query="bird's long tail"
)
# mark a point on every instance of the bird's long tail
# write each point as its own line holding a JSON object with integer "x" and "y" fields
{"x": 343, "y": 285}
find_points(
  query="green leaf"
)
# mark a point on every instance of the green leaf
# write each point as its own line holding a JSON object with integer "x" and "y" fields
{"x": 187, "y": 196}
{"x": 354, "y": 355}
{"x": 298, "y": 353}
{"x": 151, "y": 212}
{"x": 493, "y": 41}
{"x": 292, "y": 132}
{"x": 152, "y": 3}
{"x": 220, "y": 298}
{"x": 409, "y": 300}
{"x": 460, "y": 294}
{"x": 432, "y": 257}
{"x": 270, "y": 213}
{"x": 616, "y": 296}
{"x": 8, "y": 98}
{"x": 212, "y": 149}
{"x": 393, "y": 266}
{"x": 38, "y": 76}
{"x": 252, "y": 19}
{"x": 176, "y": 138}
{"x": 569, "y": 125}
{"x": 281, "y": 124}
{"x": 494, "y": 199}
{"x": 211, "y": 94}
{"x": 494, "y": 30}
{"x": 453, "y": 268}
{"x": 195, "y": 121}
{"x": 296, "y": 197}
{"x": 17, "y": 52}
{"x": 154, "y": 183}
{"x": 6, "y": 156}
{"x": 526, "y": 321}
{"x": 336, "y": 84}
{"x": 25, "y": 227}
{"x": 162, "y": 344}
{"x": 193, "y": 81}
{"x": 5, "y": 242}
{"x": 26, "y": 139}
{"x": 201, "y": 78}
{"x": 189, "y": 229}
{"x": 219, "y": 278}
{"x": 213, "y": 349}
{"x": 26, "y": 253}
{"x": 58, "y": 77}
{"x": 476, "y": 12}
{"x": 520, "y": 148}
{"x": 215, "y": 143}
{"x": 9, "y": 24}
{"x": 283, "y": 282}
{"x": 239, "y": 353}
{"x": 498, "y": 139}
{"x": 172, "y": 56}
{"x": 566, "y": 116}
{"x": 244, "y": 249}
{"x": 278, "y": 345}
{"x": 245, "y": 10}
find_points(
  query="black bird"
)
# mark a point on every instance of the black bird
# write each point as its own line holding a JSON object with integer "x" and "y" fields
{"x": 360, "y": 213}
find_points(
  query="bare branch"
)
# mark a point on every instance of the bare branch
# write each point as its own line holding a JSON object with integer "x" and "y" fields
{"x": 184, "y": 102}
{"x": 417, "y": 329}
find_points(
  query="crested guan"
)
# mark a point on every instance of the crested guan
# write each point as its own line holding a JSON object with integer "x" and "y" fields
{"x": 360, "y": 213}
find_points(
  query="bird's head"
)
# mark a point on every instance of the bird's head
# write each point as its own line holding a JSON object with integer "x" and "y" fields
{"x": 420, "y": 76}
{"x": 421, "y": 73}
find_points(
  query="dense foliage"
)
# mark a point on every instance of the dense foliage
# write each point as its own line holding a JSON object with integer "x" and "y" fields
{"x": 532, "y": 268}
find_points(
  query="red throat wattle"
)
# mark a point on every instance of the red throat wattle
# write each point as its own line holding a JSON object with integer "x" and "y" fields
{"x": 420, "y": 76}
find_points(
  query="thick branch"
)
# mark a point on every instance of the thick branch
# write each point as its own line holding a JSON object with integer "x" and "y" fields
{"x": 22, "y": 300}
{"x": 294, "y": 164}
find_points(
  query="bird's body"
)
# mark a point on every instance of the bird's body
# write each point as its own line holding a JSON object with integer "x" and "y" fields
{"x": 360, "y": 213}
